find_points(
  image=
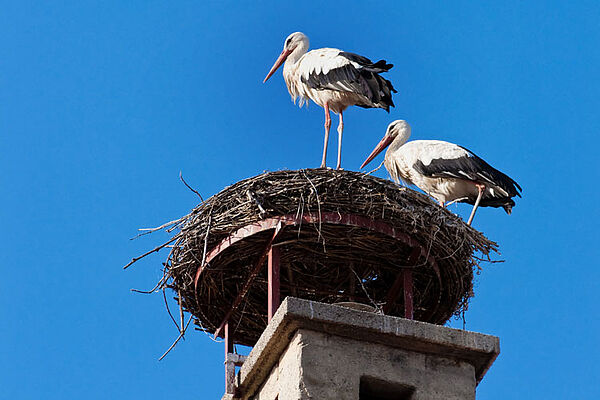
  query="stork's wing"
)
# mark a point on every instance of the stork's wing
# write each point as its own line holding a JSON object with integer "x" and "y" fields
{"x": 471, "y": 167}
{"x": 347, "y": 72}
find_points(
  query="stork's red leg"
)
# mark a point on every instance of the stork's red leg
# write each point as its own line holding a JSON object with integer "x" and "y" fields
{"x": 340, "y": 130}
{"x": 327, "y": 126}
{"x": 480, "y": 189}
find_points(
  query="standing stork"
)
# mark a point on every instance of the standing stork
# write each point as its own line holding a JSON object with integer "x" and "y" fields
{"x": 446, "y": 171}
{"x": 334, "y": 79}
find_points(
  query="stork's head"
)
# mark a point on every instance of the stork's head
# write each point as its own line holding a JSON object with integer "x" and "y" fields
{"x": 294, "y": 40}
{"x": 398, "y": 128}
{"x": 296, "y": 43}
{"x": 398, "y": 132}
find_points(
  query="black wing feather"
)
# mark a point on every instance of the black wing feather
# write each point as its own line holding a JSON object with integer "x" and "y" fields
{"x": 364, "y": 80}
{"x": 470, "y": 167}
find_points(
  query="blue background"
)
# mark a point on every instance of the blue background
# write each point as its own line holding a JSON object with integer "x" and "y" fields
{"x": 103, "y": 103}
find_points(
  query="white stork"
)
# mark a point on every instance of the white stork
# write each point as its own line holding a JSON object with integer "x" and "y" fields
{"x": 446, "y": 171}
{"x": 333, "y": 79}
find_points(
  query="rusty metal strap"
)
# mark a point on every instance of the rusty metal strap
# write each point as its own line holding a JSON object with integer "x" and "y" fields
{"x": 250, "y": 279}
{"x": 313, "y": 218}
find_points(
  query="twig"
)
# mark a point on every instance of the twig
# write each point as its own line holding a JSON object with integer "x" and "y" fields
{"x": 154, "y": 289}
{"x": 150, "y": 252}
{"x": 169, "y": 310}
{"x": 189, "y": 187}
{"x": 376, "y": 169}
{"x": 318, "y": 204}
{"x": 365, "y": 290}
{"x": 206, "y": 240}
{"x": 176, "y": 340}
{"x": 251, "y": 197}
{"x": 455, "y": 201}
{"x": 150, "y": 230}
{"x": 180, "y": 309}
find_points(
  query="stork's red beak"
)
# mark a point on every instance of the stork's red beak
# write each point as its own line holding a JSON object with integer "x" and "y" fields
{"x": 282, "y": 57}
{"x": 385, "y": 142}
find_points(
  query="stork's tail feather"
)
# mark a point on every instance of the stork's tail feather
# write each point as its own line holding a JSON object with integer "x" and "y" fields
{"x": 505, "y": 202}
{"x": 381, "y": 86}
{"x": 381, "y": 66}
{"x": 386, "y": 90}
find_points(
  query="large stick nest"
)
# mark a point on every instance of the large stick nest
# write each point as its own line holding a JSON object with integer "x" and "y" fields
{"x": 323, "y": 262}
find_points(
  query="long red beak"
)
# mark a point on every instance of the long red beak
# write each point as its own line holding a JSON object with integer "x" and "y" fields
{"x": 385, "y": 142}
{"x": 282, "y": 57}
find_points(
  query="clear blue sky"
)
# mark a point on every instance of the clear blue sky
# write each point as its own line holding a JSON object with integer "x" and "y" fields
{"x": 102, "y": 103}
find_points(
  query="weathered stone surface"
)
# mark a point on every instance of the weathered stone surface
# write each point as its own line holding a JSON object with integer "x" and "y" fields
{"x": 313, "y": 350}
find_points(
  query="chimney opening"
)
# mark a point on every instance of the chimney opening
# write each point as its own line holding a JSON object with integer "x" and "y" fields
{"x": 379, "y": 389}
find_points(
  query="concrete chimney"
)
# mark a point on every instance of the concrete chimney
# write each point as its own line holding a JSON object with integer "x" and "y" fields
{"x": 319, "y": 351}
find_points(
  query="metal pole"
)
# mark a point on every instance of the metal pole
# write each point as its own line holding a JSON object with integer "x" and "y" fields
{"x": 274, "y": 282}
{"x": 408, "y": 293}
{"x": 229, "y": 366}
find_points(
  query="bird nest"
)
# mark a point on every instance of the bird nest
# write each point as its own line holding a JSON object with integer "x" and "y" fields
{"x": 342, "y": 236}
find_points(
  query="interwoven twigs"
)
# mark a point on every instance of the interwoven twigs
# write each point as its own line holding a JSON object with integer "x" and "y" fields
{"x": 322, "y": 261}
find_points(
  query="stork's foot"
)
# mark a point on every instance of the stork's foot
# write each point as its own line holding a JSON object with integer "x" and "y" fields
{"x": 481, "y": 190}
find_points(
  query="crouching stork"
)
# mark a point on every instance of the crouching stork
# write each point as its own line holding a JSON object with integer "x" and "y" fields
{"x": 446, "y": 171}
{"x": 334, "y": 80}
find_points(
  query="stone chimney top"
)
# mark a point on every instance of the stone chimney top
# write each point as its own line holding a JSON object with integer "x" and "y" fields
{"x": 312, "y": 350}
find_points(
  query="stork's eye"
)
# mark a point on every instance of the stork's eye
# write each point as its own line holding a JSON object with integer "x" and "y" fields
{"x": 287, "y": 42}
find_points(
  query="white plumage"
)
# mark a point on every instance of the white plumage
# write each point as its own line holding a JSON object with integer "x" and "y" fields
{"x": 334, "y": 80}
{"x": 338, "y": 93}
{"x": 446, "y": 171}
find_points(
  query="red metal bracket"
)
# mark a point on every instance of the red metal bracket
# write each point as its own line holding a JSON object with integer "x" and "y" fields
{"x": 278, "y": 223}
{"x": 273, "y": 279}
{"x": 408, "y": 293}
{"x": 312, "y": 218}
{"x": 248, "y": 283}
{"x": 403, "y": 281}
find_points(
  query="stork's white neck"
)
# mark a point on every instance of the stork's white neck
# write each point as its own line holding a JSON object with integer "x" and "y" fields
{"x": 298, "y": 52}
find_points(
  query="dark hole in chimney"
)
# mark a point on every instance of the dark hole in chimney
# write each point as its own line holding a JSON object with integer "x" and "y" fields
{"x": 379, "y": 389}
